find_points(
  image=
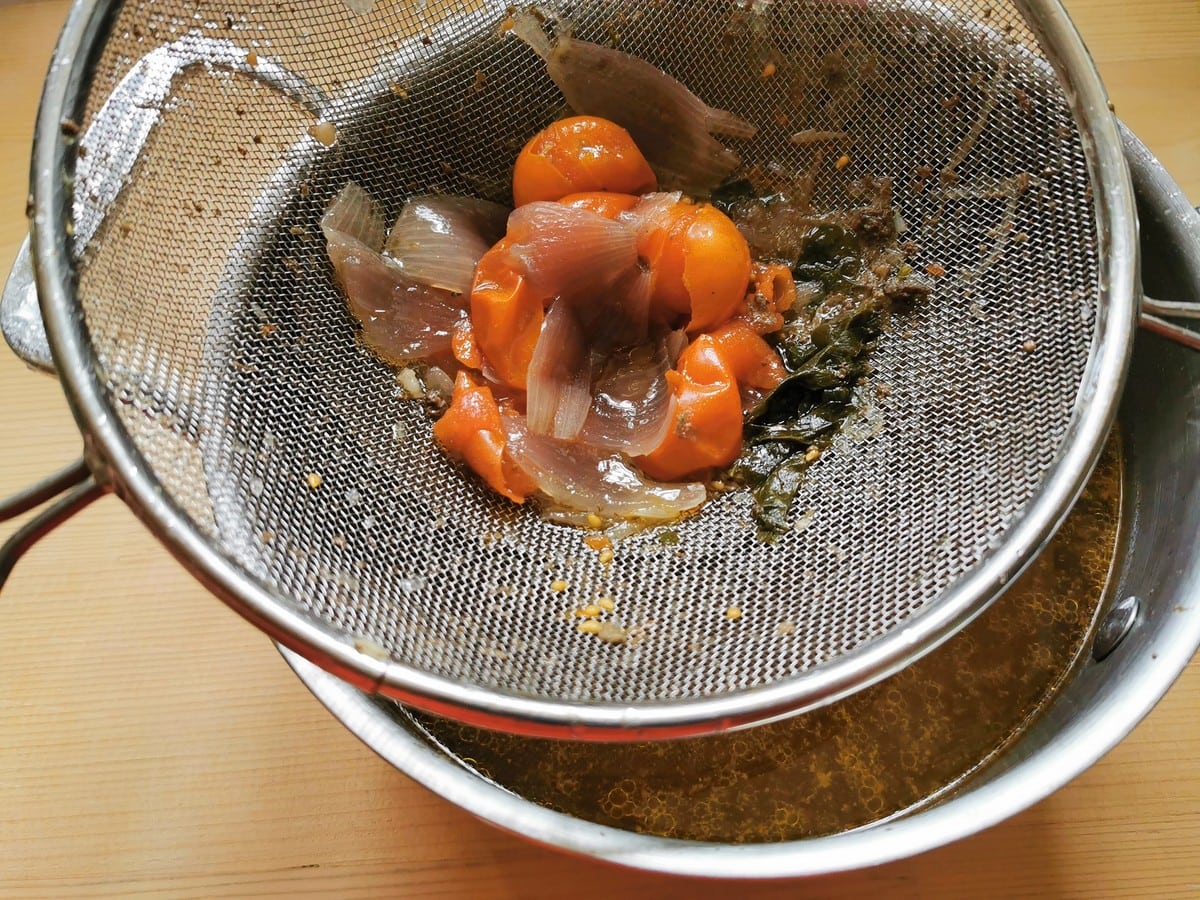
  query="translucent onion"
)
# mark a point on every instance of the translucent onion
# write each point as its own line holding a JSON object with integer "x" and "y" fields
{"x": 355, "y": 216}
{"x": 401, "y": 319}
{"x": 631, "y": 403}
{"x": 569, "y": 252}
{"x": 560, "y": 376}
{"x": 651, "y": 210}
{"x": 672, "y": 126}
{"x": 618, "y": 316}
{"x": 438, "y": 240}
{"x": 576, "y": 478}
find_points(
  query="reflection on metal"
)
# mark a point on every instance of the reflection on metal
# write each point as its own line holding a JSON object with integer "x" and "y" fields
{"x": 1115, "y": 626}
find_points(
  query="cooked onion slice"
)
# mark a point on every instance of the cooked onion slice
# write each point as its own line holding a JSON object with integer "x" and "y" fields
{"x": 355, "y": 216}
{"x": 569, "y": 252}
{"x": 671, "y": 126}
{"x": 401, "y": 319}
{"x": 560, "y": 376}
{"x": 574, "y": 477}
{"x": 438, "y": 240}
{"x": 631, "y": 400}
{"x": 651, "y": 212}
{"x": 617, "y": 315}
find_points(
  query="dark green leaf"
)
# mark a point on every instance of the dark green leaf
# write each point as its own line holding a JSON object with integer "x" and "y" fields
{"x": 774, "y": 495}
{"x": 758, "y": 460}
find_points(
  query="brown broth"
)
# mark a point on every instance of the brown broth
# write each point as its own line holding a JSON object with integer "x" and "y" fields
{"x": 887, "y": 749}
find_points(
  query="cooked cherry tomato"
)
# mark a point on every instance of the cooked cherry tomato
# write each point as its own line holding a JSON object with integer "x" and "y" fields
{"x": 706, "y": 429}
{"x": 775, "y": 282}
{"x": 471, "y": 431}
{"x": 506, "y": 317}
{"x": 582, "y": 153}
{"x": 753, "y": 361}
{"x": 700, "y": 264}
{"x": 773, "y": 293}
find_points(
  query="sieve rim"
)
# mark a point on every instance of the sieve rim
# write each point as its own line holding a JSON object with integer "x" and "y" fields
{"x": 118, "y": 461}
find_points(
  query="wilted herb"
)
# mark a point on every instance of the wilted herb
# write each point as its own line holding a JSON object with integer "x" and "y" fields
{"x": 825, "y": 345}
{"x": 828, "y": 367}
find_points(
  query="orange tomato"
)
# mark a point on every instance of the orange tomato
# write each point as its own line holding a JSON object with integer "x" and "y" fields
{"x": 463, "y": 346}
{"x": 602, "y": 203}
{"x": 665, "y": 228}
{"x": 700, "y": 264}
{"x": 773, "y": 293}
{"x": 706, "y": 430}
{"x": 506, "y": 317}
{"x": 471, "y": 431}
{"x": 775, "y": 282}
{"x": 752, "y": 360}
{"x": 716, "y": 268}
{"x": 582, "y": 153}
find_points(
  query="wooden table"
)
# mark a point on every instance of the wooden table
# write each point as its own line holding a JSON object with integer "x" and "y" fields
{"x": 152, "y": 744}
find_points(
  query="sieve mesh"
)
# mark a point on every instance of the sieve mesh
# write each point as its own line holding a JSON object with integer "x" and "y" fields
{"x": 235, "y": 368}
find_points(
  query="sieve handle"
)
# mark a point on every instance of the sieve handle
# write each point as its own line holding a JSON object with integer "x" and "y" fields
{"x": 1152, "y": 320}
{"x": 75, "y": 486}
{"x": 78, "y": 488}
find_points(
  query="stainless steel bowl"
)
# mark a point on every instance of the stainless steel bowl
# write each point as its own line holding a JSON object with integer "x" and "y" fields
{"x": 1147, "y": 635}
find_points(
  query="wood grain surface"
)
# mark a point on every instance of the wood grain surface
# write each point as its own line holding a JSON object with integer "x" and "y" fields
{"x": 152, "y": 744}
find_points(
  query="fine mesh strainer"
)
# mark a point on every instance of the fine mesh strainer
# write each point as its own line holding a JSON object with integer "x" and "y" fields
{"x": 178, "y": 180}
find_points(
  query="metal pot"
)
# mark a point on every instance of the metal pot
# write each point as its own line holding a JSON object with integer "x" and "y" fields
{"x": 1147, "y": 633}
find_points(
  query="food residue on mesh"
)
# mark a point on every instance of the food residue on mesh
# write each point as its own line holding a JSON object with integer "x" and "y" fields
{"x": 325, "y": 132}
{"x": 649, "y": 320}
{"x": 595, "y": 621}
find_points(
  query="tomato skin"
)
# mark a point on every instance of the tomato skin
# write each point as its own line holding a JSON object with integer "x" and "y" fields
{"x": 753, "y": 362}
{"x": 470, "y": 430}
{"x": 463, "y": 345}
{"x": 581, "y": 153}
{"x": 506, "y": 316}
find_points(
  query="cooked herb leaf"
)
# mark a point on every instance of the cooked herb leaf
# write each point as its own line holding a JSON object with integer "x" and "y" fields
{"x": 831, "y": 256}
{"x": 774, "y": 495}
{"x": 825, "y": 346}
{"x": 804, "y": 412}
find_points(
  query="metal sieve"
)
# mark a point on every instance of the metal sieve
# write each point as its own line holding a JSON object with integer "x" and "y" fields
{"x": 184, "y": 156}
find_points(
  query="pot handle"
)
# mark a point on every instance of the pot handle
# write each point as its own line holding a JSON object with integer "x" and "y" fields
{"x": 20, "y": 317}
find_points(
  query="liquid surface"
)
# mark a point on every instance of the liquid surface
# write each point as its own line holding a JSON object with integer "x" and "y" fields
{"x": 887, "y": 749}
